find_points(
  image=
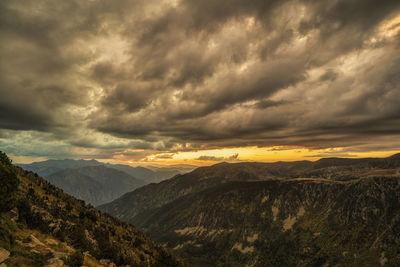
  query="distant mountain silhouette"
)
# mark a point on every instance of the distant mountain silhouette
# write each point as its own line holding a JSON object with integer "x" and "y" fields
{"x": 149, "y": 175}
{"x": 95, "y": 184}
{"x": 45, "y": 168}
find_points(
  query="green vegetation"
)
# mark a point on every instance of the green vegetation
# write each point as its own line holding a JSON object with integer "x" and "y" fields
{"x": 4, "y": 159}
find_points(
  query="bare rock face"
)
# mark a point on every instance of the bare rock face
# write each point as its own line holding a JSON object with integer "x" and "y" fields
{"x": 4, "y": 254}
{"x": 35, "y": 241}
{"x": 14, "y": 214}
{"x": 55, "y": 262}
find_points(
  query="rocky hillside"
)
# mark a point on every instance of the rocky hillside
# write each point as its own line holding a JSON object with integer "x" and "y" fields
{"x": 40, "y": 225}
{"x": 332, "y": 212}
{"x": 95, "y": 184}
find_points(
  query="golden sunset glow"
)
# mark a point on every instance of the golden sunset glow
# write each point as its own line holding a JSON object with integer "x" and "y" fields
{"x": 244, "y": 154}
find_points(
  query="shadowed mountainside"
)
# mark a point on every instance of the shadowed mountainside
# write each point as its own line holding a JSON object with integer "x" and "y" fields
{"x": 156, "y": 195}
{"x": 293, "y": 222}
{"x": 332, "y": 211}
{"x": 95, "y": 184}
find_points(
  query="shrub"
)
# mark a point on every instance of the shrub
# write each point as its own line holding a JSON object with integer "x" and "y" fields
{"x": 4, "y": 159}
{"x": 75, "y": 260}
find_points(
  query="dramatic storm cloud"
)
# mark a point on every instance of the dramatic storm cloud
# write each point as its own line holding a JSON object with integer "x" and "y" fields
{"x": 108, "y": 79}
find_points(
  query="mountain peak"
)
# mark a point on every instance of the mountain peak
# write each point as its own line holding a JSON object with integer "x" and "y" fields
{"x": 395, "y": 156}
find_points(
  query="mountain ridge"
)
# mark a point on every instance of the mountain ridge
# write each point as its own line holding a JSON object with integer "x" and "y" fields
{"x": 204, "y": 177}
{"x": 256, "y": 214}
{"x": 95, "y": 184}
{"x": 150, "y": 175}
{"x": 73, "y": 177}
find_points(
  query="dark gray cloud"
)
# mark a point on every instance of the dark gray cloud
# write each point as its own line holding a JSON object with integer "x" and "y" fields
{"x": 158, "y": 75}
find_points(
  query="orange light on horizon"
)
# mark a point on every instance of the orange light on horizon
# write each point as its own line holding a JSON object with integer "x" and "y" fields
{"x": 235, "y": 154}
{"x": 254, "y": 153}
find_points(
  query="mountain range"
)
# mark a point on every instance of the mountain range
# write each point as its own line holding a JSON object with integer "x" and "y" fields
{"x": 40, "y": 225}
{"x": 98, "y": 183}
{"x": 331, "y": 212}
{"x": 95, "y": 184}
{"x": 151, "y": 174}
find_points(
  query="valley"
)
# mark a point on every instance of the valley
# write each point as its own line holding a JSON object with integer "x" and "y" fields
{"x": 254, "y": 214}
{"x": 99, "y": 183}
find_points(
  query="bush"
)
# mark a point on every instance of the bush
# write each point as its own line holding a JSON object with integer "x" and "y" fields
{"x": 75, "y": 260}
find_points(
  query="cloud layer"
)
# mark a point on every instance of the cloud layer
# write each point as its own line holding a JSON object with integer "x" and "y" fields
{"x": 97, "y": 78}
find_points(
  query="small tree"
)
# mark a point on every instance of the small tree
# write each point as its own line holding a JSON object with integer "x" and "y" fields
{"x": 4, "y": 159}
{"x": 8, "y": 183}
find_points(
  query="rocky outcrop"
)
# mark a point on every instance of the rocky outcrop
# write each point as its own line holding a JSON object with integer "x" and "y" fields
{"x": 4, "y": 254}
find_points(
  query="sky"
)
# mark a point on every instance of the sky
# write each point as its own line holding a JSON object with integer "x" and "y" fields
{"x": 198, "y": 82}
